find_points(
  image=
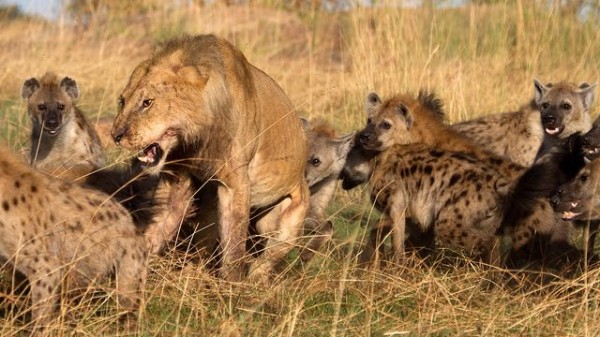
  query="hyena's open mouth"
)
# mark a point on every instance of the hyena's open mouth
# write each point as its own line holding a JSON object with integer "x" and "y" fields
{"x": 151, "y": 154}
{"x": 590, "y": 153}
{"x": 572, "y": 212}
{"x": 554, "y": 130}
{"x": 51, "y": 132}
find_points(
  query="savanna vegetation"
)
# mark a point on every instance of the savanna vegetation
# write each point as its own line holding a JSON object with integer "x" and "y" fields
{"x": 479, "y": 58}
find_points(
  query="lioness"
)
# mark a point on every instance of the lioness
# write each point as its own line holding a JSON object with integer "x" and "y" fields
{"x": 198, "y": 110}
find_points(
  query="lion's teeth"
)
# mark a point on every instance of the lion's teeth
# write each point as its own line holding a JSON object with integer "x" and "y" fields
{"x": 143, "y": 159}
{"x": 574, "y": 204}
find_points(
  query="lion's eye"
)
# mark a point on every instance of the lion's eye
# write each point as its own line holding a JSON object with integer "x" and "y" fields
{"x": 41, "y": 107}
{"x": 315, "y": 162}
{"x": 566, "y": 106}
{"x": 583, "y": 178}
{"x": 386, "y": 125}
{"x": 147, "y": 102}
{"x": 61, "y": 107}
{"x": 121, "y": 102}
{"x": 368, "y": 120}
{"x": 545, "y": 106}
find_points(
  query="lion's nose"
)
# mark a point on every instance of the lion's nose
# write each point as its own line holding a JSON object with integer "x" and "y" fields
{"x": 118, "y": 135}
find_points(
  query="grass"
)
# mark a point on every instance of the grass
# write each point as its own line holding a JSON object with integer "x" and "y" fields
{"x": 479, "y": 59}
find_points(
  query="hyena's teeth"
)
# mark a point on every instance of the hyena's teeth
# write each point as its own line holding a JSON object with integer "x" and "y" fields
{"x": 569, "y": 215}
{"x": 574, "y": 204}
{"x": 552, "y": 131}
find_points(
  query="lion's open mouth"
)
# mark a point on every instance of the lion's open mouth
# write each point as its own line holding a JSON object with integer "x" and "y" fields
{"x": 151, "y": 154}
{"x": 554, "y": 130}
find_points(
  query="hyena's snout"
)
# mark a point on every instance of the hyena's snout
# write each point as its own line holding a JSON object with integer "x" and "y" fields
{"x": 52, "y": 120}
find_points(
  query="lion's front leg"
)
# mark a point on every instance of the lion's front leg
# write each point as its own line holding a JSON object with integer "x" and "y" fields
{"x": 234, "y": 217}
{"x": 174, "y": 201}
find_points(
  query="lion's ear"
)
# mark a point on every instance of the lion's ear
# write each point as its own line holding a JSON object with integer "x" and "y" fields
{"x": 29, "y": 87}
{"x": 192, "y": 75}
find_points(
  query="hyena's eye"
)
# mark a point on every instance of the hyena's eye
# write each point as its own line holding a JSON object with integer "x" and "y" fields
{"x": 121, "y": 103}
{"x": 315, "y": 162}
{"x": 368, "y": 120}
{"x": 566, "y": 106}
{"x": 583, "y": 178}
{"x": 42, "y": 107}
{"x": 545, "y": 106}
{"x": 386, "y": 125}
{"x": 61, "y": 107}
{"x": 147, "y": 102}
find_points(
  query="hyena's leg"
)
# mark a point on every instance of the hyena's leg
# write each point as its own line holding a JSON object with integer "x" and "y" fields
{"x": 397, "y": 215}
{"x": 131, "y": 278}
{"x": 320, "y": 233}
{"x": 293, "y": 212}
{"x": 174, "y": 203}
{"x": 44, "y": 278}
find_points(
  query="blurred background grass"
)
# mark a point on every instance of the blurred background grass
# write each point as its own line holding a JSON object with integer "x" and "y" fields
{"x": 480, "y": 57}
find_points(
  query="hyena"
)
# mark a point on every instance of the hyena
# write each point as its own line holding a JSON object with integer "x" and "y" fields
{"x": 579, "y": 198}
{"x": 62, "y": 141}
{"x": 556, "y": 112}
{"x": 60, "y": 234}
{"x": 406, "y": 120}
{"x": 425, "y": 171}
{"x": 575, "y": 198}
{"x": 326, "y": 158}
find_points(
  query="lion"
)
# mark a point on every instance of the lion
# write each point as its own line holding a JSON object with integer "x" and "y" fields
{"x": 198, "y": 110}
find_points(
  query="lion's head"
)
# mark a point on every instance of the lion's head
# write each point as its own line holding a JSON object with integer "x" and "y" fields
{"x": 162, "y": 107}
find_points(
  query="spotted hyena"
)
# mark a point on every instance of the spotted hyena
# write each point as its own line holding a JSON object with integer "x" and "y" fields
{"x": 556, "y": 112}
{"x": 326, "y": 158}
{"x": 60, "y": 234}
{"x": 403, "y": 119}
{"x": 62, "y": 141}
{"x": 422, "y": 170}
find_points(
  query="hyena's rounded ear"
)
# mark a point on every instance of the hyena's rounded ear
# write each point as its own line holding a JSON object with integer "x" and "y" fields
{"x": 70, "y": 87}
{"x": 587, "y": 94}
{"x": 29, "y": 87}
{"x": 305, "y": 124}
{"x": 404, "y": 112}
{"x": 372, "y": 102}
{"x": 344, "y": 144}
{"x": 540, "y": 90}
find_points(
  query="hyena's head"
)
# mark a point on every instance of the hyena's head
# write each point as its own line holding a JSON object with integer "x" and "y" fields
{"x": 591, "y": 142}
{"x": 50, "y": 102}
{"x": 580, "y": 198}
{"x": 326, "y": 152}
{"x": 564, "y": 107}
{"x": 399, "y": 120}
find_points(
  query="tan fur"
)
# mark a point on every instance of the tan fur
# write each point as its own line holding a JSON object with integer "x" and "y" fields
{"x": 516, "y": 136}
{"x": 54, "y": 231}
{"x": 72, "y": 149}
{"x": 326, "y": 158}
{"x": 519, "y": 135}
{"x": 216, "y": 116}
{"x": 406, "y": 120}
{"x": 453, "y": 193}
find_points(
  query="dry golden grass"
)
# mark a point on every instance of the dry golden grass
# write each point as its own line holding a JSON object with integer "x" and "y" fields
{"x": 479, "y": 59}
